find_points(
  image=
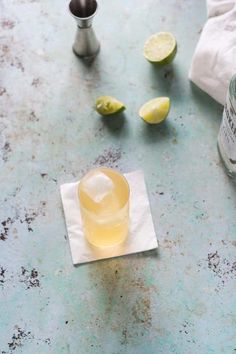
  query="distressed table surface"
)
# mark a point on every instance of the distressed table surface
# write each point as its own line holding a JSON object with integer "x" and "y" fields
{"x": 180, "y": 299}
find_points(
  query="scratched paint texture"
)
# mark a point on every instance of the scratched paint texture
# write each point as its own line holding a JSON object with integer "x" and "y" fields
{"x": 180, "y": 299}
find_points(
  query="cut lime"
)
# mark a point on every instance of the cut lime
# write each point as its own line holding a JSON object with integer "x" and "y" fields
{"x": 160, "y": 48}
{"x": 155, "y": 110}
{"x": 107, "y": 105}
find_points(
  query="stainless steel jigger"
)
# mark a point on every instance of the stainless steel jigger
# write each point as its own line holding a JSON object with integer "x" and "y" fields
{"x": 86, "y": 44}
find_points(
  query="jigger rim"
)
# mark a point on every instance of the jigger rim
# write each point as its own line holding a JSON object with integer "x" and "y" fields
{"x": 83, "y": 18}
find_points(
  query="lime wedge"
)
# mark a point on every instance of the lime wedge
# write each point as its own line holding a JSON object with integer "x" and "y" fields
{"x": 107, "y": 105}
{"x": 160, "y": 48}
{"x": 155, "y": 110}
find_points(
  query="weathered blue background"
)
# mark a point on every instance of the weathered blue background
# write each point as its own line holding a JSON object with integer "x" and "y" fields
{"x": 180, "y": 299}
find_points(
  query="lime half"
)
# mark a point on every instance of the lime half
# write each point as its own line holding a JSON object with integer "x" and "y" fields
{"x": 155, "y": 110}
{"x": 160, "y": 48}
{"x": 107, "y": 105}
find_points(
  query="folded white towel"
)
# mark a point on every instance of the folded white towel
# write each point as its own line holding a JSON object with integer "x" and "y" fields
{"x": 214, "y": 60}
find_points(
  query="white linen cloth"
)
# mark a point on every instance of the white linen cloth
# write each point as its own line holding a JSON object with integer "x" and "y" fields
{"x": 214, "y": 60}
{"x": 141, "y": 231}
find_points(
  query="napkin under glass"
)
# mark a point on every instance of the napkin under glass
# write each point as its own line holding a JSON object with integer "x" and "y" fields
{"x": 141, "y": 236}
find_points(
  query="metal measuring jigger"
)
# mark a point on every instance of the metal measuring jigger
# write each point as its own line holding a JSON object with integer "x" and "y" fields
{"x": 86, "y": 44}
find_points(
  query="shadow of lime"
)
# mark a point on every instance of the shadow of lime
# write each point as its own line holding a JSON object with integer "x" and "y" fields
{"x": 115, "y": 123}
{"x": 162, "y": 78}
{"x": 154, "y": 133}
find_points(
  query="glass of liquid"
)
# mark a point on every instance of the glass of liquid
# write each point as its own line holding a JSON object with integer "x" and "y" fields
{"x": 104, "y": 204}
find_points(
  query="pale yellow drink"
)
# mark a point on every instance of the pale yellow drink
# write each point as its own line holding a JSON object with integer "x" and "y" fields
{"x": 104, "y": 205}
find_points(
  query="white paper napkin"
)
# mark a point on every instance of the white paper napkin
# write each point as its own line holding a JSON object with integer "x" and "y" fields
{"x": 141, "y": 231}
{"x": 214, "y": 60}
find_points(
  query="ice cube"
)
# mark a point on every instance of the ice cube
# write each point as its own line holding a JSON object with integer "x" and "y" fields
{"x": 97, "y": 186}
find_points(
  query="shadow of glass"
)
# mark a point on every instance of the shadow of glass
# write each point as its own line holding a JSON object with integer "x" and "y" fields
{"x": 124, "y": 291}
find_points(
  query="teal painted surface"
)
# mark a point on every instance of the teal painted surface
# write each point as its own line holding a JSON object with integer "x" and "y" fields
{"x": 177, "y": 300}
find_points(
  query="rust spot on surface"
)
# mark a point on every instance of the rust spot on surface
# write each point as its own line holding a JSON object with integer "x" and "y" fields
{"x": 124, "y": 338}
{"x": 186, "y": 330}
{"x": 30, "y": 278}
{"x": 5, "y": 225}
{"x": 7, "y": 24}
{"x": 4, "y": 52}
{"x": 2, "y": 275}
{"x": 109, "y": 158}
{"x": 5, "y": 49}
{"x": 16, "y": 191}
{"x": 141, "y": 312}
{"x": 6, "y": 151}
{"x": 47, "y": 341}
{"x": 169, "y": 244}
{"x": 29, "y": 218}
{"x": 17, "y": 339}
{"x": 33, "y": 117}
{"x": 140, "y": 285}
{"x": 36, "y": 82}
{"x": 2, "y": 91}
{"x": 223, "y": 269}
{"x": 213, "y": 261}
{"x": 31, "y": 215}
{"x": 17, "y": 64}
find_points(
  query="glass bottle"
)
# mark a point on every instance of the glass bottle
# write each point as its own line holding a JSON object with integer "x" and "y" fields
{"x": 227, "y": 134}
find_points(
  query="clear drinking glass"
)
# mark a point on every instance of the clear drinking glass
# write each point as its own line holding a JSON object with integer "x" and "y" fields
{"x": 104, "y": 204}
